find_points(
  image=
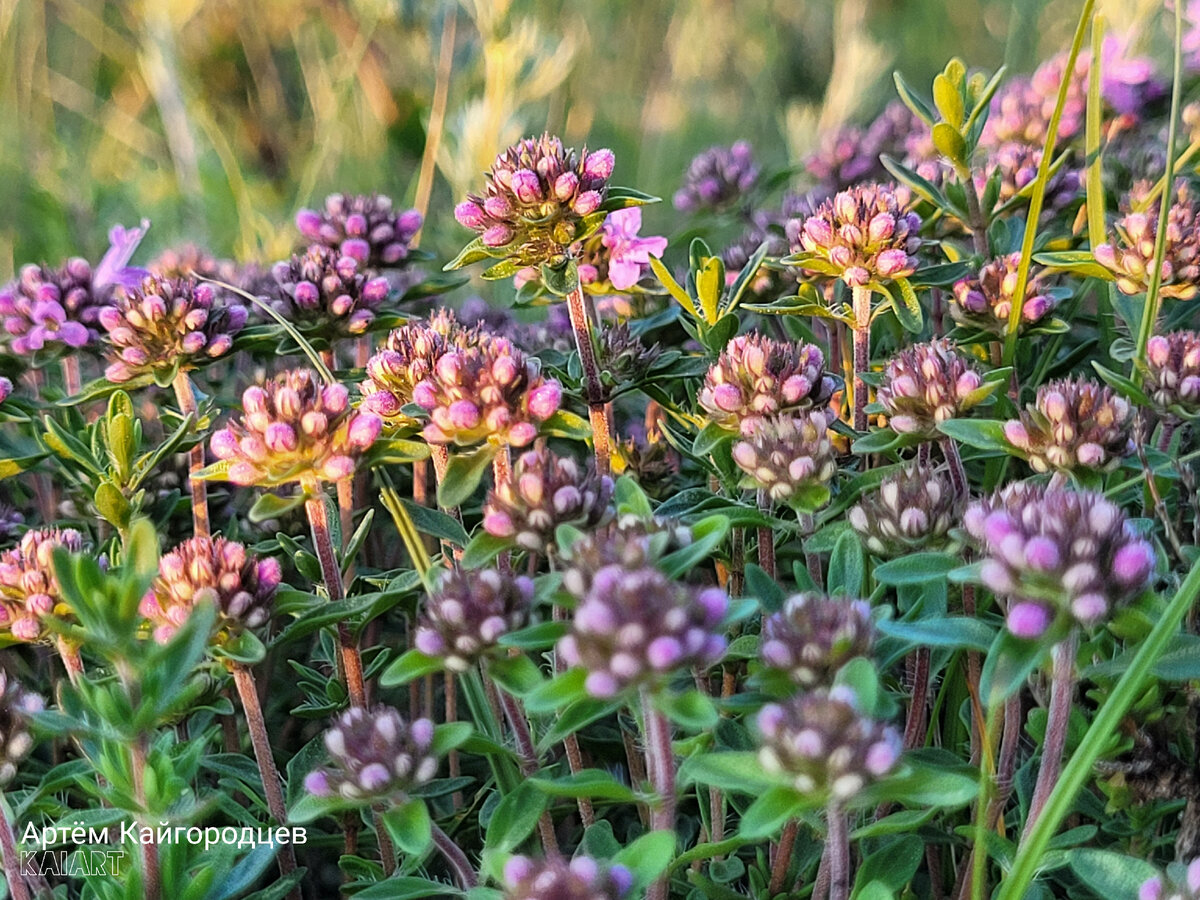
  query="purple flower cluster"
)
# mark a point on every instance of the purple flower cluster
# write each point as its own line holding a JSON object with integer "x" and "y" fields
{"x": 635, "y": 626}
{"x": 1054, "y": 554}
{"x": 211, "y": 570}
{"x": 556, "y": 879}
{"x": 293, "y": 428}
{"x": 406, "y": 359}
{"x": 1074, "y": 423}
{"x": 166, "y": 325}
{"x": 756, "y": 377}
{"x": 790, "y": 457}
{"x": 546, "y": 490}
{"x": 861, "y": 235}
{"x": 16, "y": 707}
{"x": 537, "y": 196}
{"x": 1173, "y": 372}
{"x": 29, "y": 590}
{"x": 814, "y": 635}
{"x": 363, "y": 227}
{"x": 984, "y": 301}
{"x": 1129, "y": 255}
{"x": 909, "y": 511}
{"x": 826, "y": 748}
{"x": 927, "y": 384}
{"x": 718, "y": 178}
{"x": 375, "y": 756}
{"x": 462, "y": 620}
{"x": 324, "y": 288}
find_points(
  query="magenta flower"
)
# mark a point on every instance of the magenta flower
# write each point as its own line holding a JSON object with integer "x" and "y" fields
{"x": 627, "y": 251}
{"x": 114, "y": 270}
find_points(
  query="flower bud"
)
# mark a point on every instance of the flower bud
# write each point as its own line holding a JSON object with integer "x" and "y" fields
{"x": 1074, "y": 424}
{"x": 814, "y": 635}
{"x": 461, "y": 622}
{"x": 366, "y": 229}
{"x": 375, "y": 755}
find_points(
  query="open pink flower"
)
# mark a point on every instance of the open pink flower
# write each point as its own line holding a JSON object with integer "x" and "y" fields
{"x": 628, "y": 252}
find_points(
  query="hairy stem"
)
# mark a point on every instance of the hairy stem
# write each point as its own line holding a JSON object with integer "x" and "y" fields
{"x": 783, "y": 856}
{"x": 441, "y": 461}
{"x": 581, "y": 325}
{"x": 977, "y": 221}
{"x": 958, "y": 475}
{"x": 587, "y": 813}
{"x": 260, "y": 740}
{"x": 862, "y": 354}
{"x": 660, "y": 758}
{"x": 766, "y": 537}
{"x": 151, "y": 875}
{"x": 1058, "y": 718}
{"x": 72, "y": 381}
{"x": 331, "y": 574}
{"x": 464, "y": 874}
{"x": 17, "y": 888}
{"x": 838, "y": 839}
{"x": 185, "y": 396}
{"x": 527, "y": 754}
{"x": 914, "y": 727}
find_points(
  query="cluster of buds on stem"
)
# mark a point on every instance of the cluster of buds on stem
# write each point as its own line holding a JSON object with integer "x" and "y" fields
{"x": 909, "y": 511}
{"x": 984, "y": 301}
{"x": 825, "y": 746}
{"x": 1173, "y": 372}
{"x": 537, "y": 198}
{"x": 1017, "y": 165}
{"x": 488, "y": 390}
{"x": 294, "y": 428}
{"x": 469, "y": 612}
{"x": 718, "y": 178}
{"x": 375, "y": 756}
{"x": 814, "y": 635}
{"x": 791, "y": 458}
{"x": 1057, "y": 555}
{"x": 637, "y": 626}
{"x": 583, "y": 878}
{"x": 29, "y": 590}
{"x": 407, "y": 358}
{"x": 756, "y": 377}
{"x": 927, "y": 384}
{"x": 861, "y": 235}
{"x": 1074, "y": 424}
{"x": 6, "y": 389}
{"x": 211, "y": 570}
{"x": 324, "y": 289}
{"x": 364, "y": 227}
{"x": 546, "y": 491}
{"x": 1129, "y": 255}
{"x": 16, "y": 706}
{"x": 631, "y": 543}
{"x": 167, "y": 325}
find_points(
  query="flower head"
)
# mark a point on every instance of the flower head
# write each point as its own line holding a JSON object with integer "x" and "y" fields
{"x": 407, "y": 358}
{"x": 1054, "y": 554}
{"x": 927, "y": 384}
{"x": 29, "y": 590}
{"x": 167, "y": 325}
{"x": 487, "y": 390}
{"x": 1074, "y": 423}
{"x": 628, "y": 253}
{"x": 364, "y": 227}
{"x": 190, "y": 261}
{"x": 790, "y": 457}
{"x": 1017, "y": 164}
{"x": 12, "y": 520}
{"x": 623, "y": 357}
{"x": 325, "y": 290}
{"x": 462, "y": 620}
{"x": 211, "y": 570}
{"x": 536, "y": 200}
{"x": 814, "y": 635}
{"x": 546, "y": 491}
{"x": 718, "y": 178}
{"x": 294, "y": 428}
{"x": 861, "y": 235}
{"x": 909, "y": 511}
{"x": 375, "y": 756}
{"x": 630, "y": 542}
{"x": 6, "y": 388}
{"x": 1173, "y": 372}
{"x": 756, "y": 377}
{"x": 16, "y": 706}
{"x": 583, "y": 878}
{"x": 824, "y": 745}
{"x": 636, "y": 626}
{"x": 984, "y": 301}
{"x": 1129, "y": 254}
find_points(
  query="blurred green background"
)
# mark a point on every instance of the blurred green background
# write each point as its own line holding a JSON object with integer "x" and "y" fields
{"x": 218, "y": 119}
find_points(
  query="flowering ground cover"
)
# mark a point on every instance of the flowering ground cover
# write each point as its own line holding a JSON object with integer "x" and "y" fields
{"x": 846, "y": 546}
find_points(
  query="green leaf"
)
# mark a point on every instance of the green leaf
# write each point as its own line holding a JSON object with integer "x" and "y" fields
{"x": 482, "y": 549}
{"x": 516, "y": 674}
{"x": 983, "y": 434}
{"x": 733, "y": 770}
{"x": 112, "y": 505}
{"x": 1123, "y": 386}
{"x": 435, "y": 523}
{"x": 949, "y": 101}
{"x": 648, "y": 856}
{"x": 413, "y": 664}
{"x": 908, "y": 311}
{"x": 506, "y": 268}
{"x": 949, "y": 142}
{"x": 1007, "y": 664}
{"x": 956, "y": 633}
{"x": 913, "y": 100}
{"x": 1077, "y": 262}
{"x": 450, "y": 736}
{"x": 630, "y": 499}
{"x": 710, "y": 281}
{"x": 556, "y": 693}
{"x": 407, "y": 887}
{"x": 566, "y": 424}
{"x": 410, "y": 827}
{"x": 589, "y": 783}
{"x": 561, "y": 280}
{"x": 515, "y": 817}
{"x": 916, "y": 568}
{"x": 473, "y": 253}
{"x": 624, "y": 197}
{"x": 690, "y": 710}
{"x": 922, "y": 186}
{"x": 463, "y": 475}
{"x": 847, "y": 568}
{"x": 709, "y": 438}
{"x": 272, "y": 506}
{"x": 925, "y": 778}
{"x": 245, "y": 649}
{"x": 663, "y": 274}
{"x": 771, "y": 810}
{"x": 862, "y": 678}
{"x": 707, "y": 535}
{"x": 1109, "y": 874}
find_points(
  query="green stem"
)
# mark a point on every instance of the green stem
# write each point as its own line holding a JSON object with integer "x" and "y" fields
{"x": 1153, "y": 298}
{"x": 185, "y": 396}
{"x": 1098, "y": 739}
{"x": 1039, "y": 189}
